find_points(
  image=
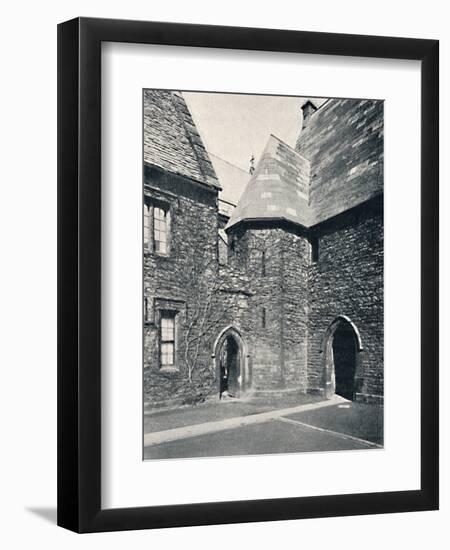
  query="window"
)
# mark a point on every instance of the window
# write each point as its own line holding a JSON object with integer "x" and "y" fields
{"x": 167, "y": 339}
{"x": 156, "y": 228}
{"x": 160, "y": 230}
{"x": 263, "y": 263}
{"x": 263, "y": 317}
{"x": 146, "y": 226}
{"x": 314, "y": 242}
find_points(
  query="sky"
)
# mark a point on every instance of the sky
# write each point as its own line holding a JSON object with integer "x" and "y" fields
{"x": 236, "y": 126}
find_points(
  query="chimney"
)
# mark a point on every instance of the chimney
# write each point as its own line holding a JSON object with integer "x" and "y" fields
{"x": 308, "y": 109}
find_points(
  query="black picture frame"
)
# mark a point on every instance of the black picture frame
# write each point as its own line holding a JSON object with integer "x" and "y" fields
{"x": 79, "y": 274}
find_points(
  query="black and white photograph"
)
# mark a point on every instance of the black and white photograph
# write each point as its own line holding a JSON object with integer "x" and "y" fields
{"x": 263, "y": 287}
{"x": 225, "y": 287}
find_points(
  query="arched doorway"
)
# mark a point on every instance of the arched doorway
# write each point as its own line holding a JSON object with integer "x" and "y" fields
{"x": 342, "y": 347}
{"x": 231, "y": 363}
{"x": 344, "y": 355}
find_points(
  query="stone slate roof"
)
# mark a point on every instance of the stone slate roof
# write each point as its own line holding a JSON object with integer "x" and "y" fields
{"x": 225, "y": 208}
{"x": 344, "y": 144}
{"x": 337, "y": 164}
{"x": 171, "y": 140}
{"x": 278, "y": 189}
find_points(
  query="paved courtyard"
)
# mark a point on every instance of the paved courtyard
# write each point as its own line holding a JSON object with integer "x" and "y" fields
{"x": 220, "y": 410}
{"x": 240, "y": 428}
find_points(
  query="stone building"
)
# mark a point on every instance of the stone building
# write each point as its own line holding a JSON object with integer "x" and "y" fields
{"x": 281, "y": 293}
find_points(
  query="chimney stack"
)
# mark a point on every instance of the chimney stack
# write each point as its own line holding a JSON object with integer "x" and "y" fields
{"x": 308, "y": 109}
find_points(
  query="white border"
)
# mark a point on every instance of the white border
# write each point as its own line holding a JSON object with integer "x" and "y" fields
{"x": 127, "y": 481}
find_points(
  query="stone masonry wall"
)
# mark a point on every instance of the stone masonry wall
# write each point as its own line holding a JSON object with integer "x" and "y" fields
{"x": 282, "y": 310}
{"x": 275, "y": 319}
{"x": 348, "y": 280}
{"x": 177, "y": 282}
{"x": 264, "y": 341}
{"x": 271, "y": 292}
{"x": 295, "y": 308}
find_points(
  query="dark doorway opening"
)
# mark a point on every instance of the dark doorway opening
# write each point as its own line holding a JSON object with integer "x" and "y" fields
{"x": 230, "y": 368}
{"x": 344, "y": 354}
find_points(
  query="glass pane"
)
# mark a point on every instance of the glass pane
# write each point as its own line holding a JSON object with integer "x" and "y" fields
{"x": 165, "y": 320}
{"x": 167, "y": 335}
{"x": 160, "y": 246}
{"x": 167, "y": 352}
{"x": 146, "y": 225}
{"x": 160, "y": 230}
{"x": 160, "y": 215}
{"x": 167, "y": 328}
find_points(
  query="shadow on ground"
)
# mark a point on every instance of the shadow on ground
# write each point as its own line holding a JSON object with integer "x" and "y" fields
{"x": 48, "y": 514}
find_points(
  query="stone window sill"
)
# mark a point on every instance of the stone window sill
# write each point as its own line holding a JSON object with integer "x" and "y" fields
{"x": 156, "y": 254}
{"x": 169, "y": 370}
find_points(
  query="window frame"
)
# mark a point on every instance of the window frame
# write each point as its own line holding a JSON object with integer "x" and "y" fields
{"x": 149, "y": 228}
{"x": 163, "y": 229}
{"x": 170, "y": 314}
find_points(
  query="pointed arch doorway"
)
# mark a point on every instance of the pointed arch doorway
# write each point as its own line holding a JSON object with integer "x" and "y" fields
{"x": 231, "y": 363}
{"x": 341, "y": 346}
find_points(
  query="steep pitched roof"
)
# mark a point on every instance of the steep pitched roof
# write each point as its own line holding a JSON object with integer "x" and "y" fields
{"x": 344, "y": 144}
{"x": 171, "y": 140}
{"x": 278, "y": 189}
{"x": 337, "y": 164}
